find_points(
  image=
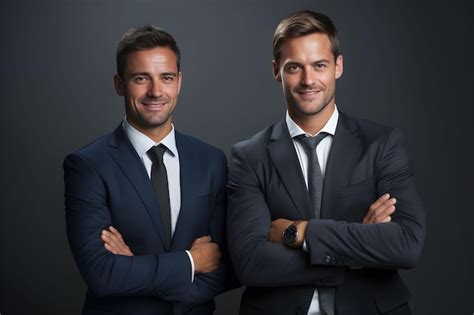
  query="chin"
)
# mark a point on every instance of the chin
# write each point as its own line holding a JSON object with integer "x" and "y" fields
{"x": 311, "y": 110}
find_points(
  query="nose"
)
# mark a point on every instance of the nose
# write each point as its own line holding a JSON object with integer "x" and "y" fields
{"x": 307, "y": 77}
{"x": 154, "y": 89}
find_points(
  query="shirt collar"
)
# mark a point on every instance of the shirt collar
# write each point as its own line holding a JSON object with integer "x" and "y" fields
{"x": 143, "y": 143}
{"x": 329, "y": 127}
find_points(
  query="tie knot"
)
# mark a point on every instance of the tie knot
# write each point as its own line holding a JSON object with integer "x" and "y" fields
{"x": 156, "y": 152}
{"x": 311, "y": 142}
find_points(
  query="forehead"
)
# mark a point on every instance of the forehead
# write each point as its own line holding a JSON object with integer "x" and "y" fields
{"x": 154, "y": 59}
{"x": 314, "y": 46}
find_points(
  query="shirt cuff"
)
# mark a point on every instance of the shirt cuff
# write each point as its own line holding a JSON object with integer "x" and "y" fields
{"x": 305, "y": 247}
{"x": 192, "y": 265}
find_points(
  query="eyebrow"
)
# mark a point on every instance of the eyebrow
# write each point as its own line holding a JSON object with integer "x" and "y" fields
{"x": 173, "y": 74}
{"x": 290, "y": 63}
{"x": 321, "y": 61}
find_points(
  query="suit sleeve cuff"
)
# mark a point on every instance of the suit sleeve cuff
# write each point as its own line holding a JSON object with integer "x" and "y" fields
{"x": 192, "y": 265}
{"x": 305, "y": 247}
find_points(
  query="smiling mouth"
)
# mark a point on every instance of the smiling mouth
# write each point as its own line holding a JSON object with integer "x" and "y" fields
{"x": 308, "y": 93}
{"x": 154, "y": 106}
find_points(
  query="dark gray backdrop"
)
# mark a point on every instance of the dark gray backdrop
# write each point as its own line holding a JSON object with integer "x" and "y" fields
{"x": 406, "y": 64}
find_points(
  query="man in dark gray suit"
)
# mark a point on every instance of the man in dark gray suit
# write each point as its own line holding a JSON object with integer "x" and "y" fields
{"x": 312, "y": 224}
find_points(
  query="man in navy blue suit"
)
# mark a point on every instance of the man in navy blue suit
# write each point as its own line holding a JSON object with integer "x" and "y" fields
{"x": 164, "y": 191}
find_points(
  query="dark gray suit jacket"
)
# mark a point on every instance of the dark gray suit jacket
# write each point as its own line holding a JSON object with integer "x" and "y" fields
{"x": 266, "y": 183}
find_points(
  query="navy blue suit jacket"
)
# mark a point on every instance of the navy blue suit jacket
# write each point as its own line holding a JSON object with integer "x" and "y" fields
{"x": 360, "y": 260}
{"x": 106, "y": 184}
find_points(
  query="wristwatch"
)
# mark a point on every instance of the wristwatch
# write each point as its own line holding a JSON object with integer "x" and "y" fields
{"x": 290, "y": 235}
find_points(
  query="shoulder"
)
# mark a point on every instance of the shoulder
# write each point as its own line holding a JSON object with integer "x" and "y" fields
{"x": 257, "y": 143}
{"x": 369, "y": 130}
{"x": 88, "y": 159}
{"x": 197, "y": 147}
{"x": 94, "y": 150}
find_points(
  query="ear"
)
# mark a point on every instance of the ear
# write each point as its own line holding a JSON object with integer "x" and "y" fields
{"x": 339, "y": 66}
{"x": 118, "y": 84}
{"x": 276, "y": 71}
{"x": 180, "y": 78}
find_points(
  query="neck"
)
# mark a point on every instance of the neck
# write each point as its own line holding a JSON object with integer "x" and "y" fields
{"x": 155, "y": 133}
{"x": 312, "y": 124}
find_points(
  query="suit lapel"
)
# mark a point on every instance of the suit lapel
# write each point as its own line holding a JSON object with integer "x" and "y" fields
{"x": 345, "y": 150}
{"x": 188, "y": 173}
{"x": 124, "y": 154}
{"x": 284, "y": 157}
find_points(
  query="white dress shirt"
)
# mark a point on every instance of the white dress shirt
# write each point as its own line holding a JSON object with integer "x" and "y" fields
{"x": 322, "y": 150}
{"x": 142, "y": 144}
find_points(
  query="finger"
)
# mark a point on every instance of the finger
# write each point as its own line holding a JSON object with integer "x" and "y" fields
{"x": 115, "y": 232}
{"x": 110, "y": 239}
{"x": 387, "y": 219}
{"x": 369, "y": 217}
{"x": 203, "y": 239}
{"x": 379, "y": 201}
{"x": 389, "y": 202}
{"x": 117, "y": 247}
{"x": 116, "y": 238}
{"x": 384, "y": 214}
{"x": 384, "y": 208}
{"x": 110, "y": 249}
{"x": 215, "y": 246}
{"x": 106, "y": 239}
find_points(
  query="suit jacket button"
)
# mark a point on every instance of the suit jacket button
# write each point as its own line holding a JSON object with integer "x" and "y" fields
{"x": 327, "y": 259}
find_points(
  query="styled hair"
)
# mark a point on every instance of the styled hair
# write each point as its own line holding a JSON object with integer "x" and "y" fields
{"x": 304, "y": 23}
{"x": 142, "y": 38}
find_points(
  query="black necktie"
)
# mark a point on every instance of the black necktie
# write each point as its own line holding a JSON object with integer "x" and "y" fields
{"x": 159, "y": 179}
{"x": 315, "y": 189}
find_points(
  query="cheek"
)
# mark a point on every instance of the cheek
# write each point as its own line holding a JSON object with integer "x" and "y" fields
{"x": 136, "y": 94}
{"x": 172, "y": 91}
{"x": 289, "y": 83}
{"x": 328, "y": 80}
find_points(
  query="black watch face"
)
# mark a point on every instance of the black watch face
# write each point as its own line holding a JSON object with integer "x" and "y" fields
{"x": 290, "y": 234}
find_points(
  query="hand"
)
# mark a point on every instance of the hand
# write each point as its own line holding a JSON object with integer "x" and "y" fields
{"x": 114, "y": 242}
{"x": 380, "y": 211}
{"x": 276, "y": 230}
{"x": 279, "y": 226}
{"x": 206, "y": 255}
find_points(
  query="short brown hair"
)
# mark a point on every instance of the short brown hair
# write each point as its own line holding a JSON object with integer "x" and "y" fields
{"x": 141, "y": 38}
{"x": 304, "y": 23}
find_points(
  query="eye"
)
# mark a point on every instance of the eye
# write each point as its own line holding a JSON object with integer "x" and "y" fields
{"x": 292, "y": 68}
{"x": 321, "y": 66}
{"x": 140, "y": 79}
{"x": 168, "y": 78}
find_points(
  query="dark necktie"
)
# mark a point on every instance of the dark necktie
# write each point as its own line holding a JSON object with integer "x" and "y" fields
{"x": 315, "y": 176}
{"x": 315, "y": 189}
{"x": 159, "y": 179}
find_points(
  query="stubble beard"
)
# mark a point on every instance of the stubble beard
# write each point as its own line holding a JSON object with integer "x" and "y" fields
{"x": 307, "y": 111}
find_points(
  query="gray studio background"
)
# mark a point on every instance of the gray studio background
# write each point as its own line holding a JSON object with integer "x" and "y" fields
{"x": 406, "y": 64}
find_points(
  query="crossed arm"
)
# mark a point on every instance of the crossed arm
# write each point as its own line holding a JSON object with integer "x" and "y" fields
{"x": 393, "y": 245}
{"x": 385, "y": 239}
{"x": 205, "y": 254}
{"x": 379, "y": 212}
{"x": 166, "y": 275}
